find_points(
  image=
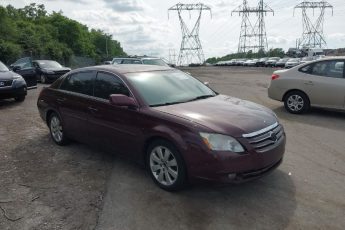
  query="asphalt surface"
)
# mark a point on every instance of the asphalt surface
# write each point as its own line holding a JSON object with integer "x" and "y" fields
{"x": 79, "y": 187}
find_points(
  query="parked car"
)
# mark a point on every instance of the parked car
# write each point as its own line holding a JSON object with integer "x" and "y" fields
{"x": 292, "y": 62}
{"x": 165, "y": 119}
{"x": 25, "y": 68}
{"x": 240, "y": 62}
{"x": 271, "y": 62}
{"x": 140, "y": 60}
{"x": 281, "y": 63}
{"x": 261, "y": 62}
{"x": 48, "y": 71}
{"x": 307, "y": 59}
{"x": 318, "y": 83}
{"x": 252, "y": 62}
{"x": 12, "y": 85}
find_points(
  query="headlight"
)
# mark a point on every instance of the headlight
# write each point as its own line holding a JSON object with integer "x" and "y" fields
{"x": 219, "y": 142}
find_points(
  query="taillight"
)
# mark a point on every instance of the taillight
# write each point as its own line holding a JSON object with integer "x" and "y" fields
{"x": 275, "y": 76}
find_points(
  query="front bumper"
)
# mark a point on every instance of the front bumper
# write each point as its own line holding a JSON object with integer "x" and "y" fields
{"x": 10, "y": 92}
{"x": 227, "y": 167}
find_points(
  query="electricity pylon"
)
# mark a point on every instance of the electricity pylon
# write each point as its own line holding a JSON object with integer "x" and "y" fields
{"x": 253, "y": 37}
{"x": 191, "y": 49}
{"x": 312, "y": 36}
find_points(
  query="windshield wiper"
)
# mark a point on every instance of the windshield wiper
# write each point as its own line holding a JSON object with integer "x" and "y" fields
{"x": 168, "y": 103}
{"x": 202, "y": 97}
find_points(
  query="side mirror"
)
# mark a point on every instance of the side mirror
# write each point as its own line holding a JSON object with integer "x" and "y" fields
{"x": 16, "y": 68}
{"x": 122, "y": 100}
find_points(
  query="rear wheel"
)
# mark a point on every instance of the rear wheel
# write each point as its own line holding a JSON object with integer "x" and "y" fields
{"x": 166, "y": 166}
{"x": 56, "y": 130}
{"x": 296, "y": 102}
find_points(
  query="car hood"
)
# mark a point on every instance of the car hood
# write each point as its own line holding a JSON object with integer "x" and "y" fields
{"x": 8, "y": 75}
{"x": 224, "y": 114}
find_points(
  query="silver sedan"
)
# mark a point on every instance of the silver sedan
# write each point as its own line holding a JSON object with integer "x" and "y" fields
{"x": 319, "y": 83}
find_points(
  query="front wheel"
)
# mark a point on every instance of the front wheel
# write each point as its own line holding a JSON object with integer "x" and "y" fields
{"x": 56, "y": 130}
{"x": 166, "y": 166}
{"x": 43, "y": 79}
{"x": 20, "y": 99}
{"x": 296, "y": 102}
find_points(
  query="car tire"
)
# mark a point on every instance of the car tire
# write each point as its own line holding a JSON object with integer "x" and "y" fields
{"x": 20, "y": 98}
{"x": 56, "y": 130}
{"x": 166, "y": 166}
{"x": 43, "y": 79}
{"x": 296, "y": 102}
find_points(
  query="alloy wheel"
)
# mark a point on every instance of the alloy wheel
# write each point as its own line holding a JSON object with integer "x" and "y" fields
{"x": 56, "y": 129}
{"x": 295, "y": 103}
{"x": 163, "y": 165}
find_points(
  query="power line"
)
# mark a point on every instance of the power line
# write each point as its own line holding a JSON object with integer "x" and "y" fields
{"x": 253, "y": 36}
{"x": 312, "y": 35}
{"x": 191, "y": 49}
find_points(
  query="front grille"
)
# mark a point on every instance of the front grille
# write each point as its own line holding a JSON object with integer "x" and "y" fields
{"x": 60, "y": 72}
{"x": 6, "y": 83}
{"x": 266, "y": 139}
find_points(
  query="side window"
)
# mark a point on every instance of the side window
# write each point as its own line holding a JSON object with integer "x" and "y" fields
{"x": 107, "y": 84}
{"x": 79, "y": 83}
{"x": 27, "y": 65}
{"x": 333, "y": 69}
{"x": 336, "y": 69}
{"x": 306, "y": 69}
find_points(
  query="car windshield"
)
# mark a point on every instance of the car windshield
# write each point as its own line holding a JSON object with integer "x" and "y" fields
{"x": 3, "y": 68}
{"x": 49, "y": 64}
{"x": 154, "y": 62}
{"x": 168, "y": 87}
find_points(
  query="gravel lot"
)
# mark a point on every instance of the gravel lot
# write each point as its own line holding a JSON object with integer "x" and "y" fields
{"x": 44, "y": 186}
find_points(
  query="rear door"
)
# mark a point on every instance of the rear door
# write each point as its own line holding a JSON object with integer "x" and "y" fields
{"x": 116, "y": 128}
{"x": 73, "y": 102}
{"x": 324, "y": 83}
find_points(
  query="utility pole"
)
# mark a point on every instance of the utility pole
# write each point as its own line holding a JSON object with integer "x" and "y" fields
{"x": 191, "y": 49}
{"x": 312, "y": 35}
{"x": 253, "y": 37}
{"x": 172, "y": 56}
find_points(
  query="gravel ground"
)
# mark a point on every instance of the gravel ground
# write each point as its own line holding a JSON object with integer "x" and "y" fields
{"x": 44, "y": 186}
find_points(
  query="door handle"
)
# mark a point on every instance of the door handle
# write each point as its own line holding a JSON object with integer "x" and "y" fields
{"x": 308, "y": 83}
{"x": 92, "y": 109}
{"x": 60, "y": 100}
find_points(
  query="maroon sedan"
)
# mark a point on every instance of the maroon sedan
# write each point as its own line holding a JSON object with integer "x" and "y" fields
{"x": 165, "y": 119}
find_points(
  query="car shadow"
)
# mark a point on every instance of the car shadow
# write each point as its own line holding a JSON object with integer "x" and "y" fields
{"x": 7, "y": 103}
{"x": 134, "y": 201}
{"x": 316, "y": 116}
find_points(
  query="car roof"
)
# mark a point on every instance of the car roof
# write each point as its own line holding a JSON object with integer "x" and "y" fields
{"x": 126, "y": 68}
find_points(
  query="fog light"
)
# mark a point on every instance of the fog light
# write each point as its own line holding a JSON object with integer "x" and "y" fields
{"x": 232, "y": 176}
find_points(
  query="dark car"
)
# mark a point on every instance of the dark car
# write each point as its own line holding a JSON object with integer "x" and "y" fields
{"x": 25, "y": 68}
{"x": 262, "y": 62}
{"x": 281, "y": 63}
{"x": 12, "y": 85}
{"x": 165, "y": 119}
{"x": 48, "y": 70}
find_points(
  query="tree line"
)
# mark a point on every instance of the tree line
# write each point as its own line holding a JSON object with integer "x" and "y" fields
{"x": 277, "y": 52}
{"x": 32, "y": 31}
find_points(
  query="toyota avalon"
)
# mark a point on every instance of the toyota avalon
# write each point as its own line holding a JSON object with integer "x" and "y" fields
{"x": 176, "y": 126}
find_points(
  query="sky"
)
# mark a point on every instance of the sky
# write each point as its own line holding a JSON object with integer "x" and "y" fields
{"x": 143, "y": 27}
